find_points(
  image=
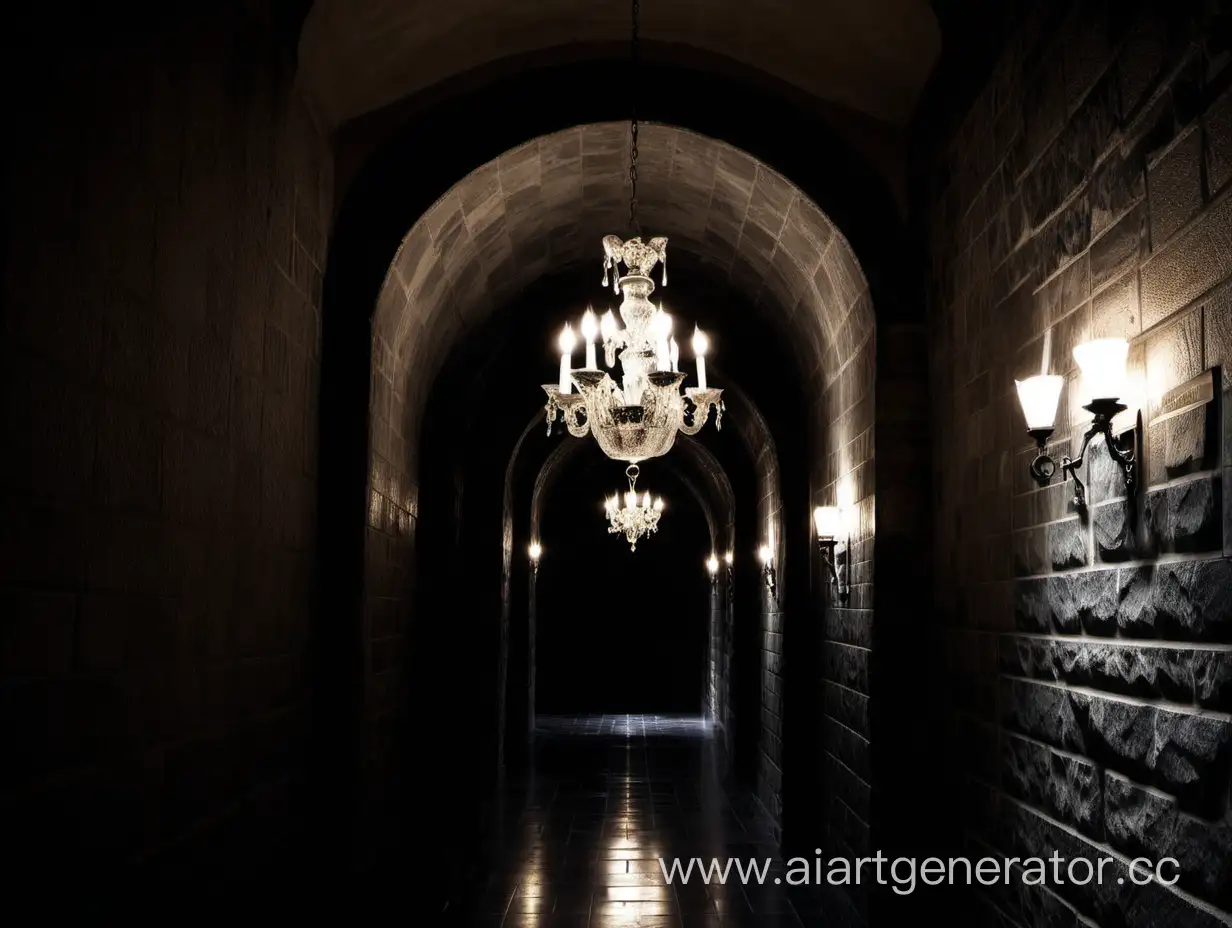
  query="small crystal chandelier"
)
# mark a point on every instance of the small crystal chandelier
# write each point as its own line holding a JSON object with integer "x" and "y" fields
{"x": 635, "y": 518}
{"x": 639, "y": 418}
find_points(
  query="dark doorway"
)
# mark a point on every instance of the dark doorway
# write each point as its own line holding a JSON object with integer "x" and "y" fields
{"x": 621, "y": 630}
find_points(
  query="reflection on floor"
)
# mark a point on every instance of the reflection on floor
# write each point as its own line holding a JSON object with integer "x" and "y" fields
{"x": 607, "y": 799}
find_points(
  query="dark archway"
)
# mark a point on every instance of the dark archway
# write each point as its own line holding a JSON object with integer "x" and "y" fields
{"x": 620, "y": 631}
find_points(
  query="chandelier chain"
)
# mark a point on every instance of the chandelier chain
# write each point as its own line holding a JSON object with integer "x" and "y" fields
{"x": 634, "y": 51}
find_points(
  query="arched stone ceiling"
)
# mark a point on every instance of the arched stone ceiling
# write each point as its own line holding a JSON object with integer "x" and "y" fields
{"x": 872, "y": 56}
{"x": 547, "y": 204}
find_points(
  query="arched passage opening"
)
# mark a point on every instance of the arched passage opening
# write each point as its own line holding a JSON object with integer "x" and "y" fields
{"x": 618, "y": 630}
{"x": 744, "y": 235}
{"x": 713, "y": 477}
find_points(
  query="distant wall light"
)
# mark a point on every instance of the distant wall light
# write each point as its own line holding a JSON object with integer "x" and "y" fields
{"x": 765, "y": 554}
{"x": 535, "y": 550}
{"x": 828, "y": 523}
{"x": 1102, "y": 363}
{"x": 712, "y": 565}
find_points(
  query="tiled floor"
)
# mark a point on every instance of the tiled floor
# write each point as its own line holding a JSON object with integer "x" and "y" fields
{"x": 606, "y": 799}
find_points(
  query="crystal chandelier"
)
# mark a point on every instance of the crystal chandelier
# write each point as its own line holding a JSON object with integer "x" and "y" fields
{"x": 635, "y": 518}
{"x": 638, "y": 418}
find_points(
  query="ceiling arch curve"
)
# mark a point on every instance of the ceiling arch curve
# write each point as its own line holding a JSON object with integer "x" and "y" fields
{"x": 874, "y": 57}
{"x": 692, "y": 463}
{"x": 548, "y": 203}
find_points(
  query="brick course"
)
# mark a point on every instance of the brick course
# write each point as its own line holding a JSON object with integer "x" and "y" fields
{"x": 160, "y": 344}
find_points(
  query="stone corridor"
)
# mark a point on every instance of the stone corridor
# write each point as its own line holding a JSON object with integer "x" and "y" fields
{"x": 310, "y": 601}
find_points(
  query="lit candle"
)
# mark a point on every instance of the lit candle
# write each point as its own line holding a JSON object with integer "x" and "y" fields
{"x": 663, "y": 323}
{"x": 700, "y": 344}
{"x": 567, "y": 341}
{"x": 675, "y": 349}
{"x": 590, "y": 328}
{"x": 607, "y": 330}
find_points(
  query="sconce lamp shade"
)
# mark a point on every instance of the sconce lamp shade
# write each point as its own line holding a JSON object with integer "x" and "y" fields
{"x": 1039, "y": 396}
{"x": 712, "y": 565}
{"x": 827, "y": 521}
{"x": 535, "y": 551}
{"x": 1103, "y": 367}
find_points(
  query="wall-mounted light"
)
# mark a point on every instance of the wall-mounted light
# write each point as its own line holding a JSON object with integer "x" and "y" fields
{"x": 1102, "y": 363}
{"x": 730, "y": 559}
{"x": 828, "y": 523}
{"x": 712, "y": 565}
{"x": 766, "y": 555}
{"x": 534, "y": 551}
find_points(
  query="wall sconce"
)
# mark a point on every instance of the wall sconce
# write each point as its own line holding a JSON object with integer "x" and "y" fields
{"x": 730, "y": 559}
{"x": 766, "y": 555}
{"x": 712, "y": 565}
{"x": 828, "y": 521}
{"x": 534, "y": 551}
{"x": 1102, "y": 363}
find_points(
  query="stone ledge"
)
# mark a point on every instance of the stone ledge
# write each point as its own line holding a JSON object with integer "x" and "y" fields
{"x": 1146, "y": 823}
{"x": 1107, "y": 902}
{"x": 1184, "y": 675}
{"x": 1183, "y": 753}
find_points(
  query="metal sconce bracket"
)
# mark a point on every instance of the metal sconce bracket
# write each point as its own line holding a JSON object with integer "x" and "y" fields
{"x": 768, "y": 573}
{"x": 1044, "y": 467}
{"x": 828, "y": 548}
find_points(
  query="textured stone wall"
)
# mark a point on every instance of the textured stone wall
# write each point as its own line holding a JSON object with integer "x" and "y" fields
{"x": 842, "y": 474}
{"x": 389, "y": 565}
{"x": 167, "y": 197}
{"x": 1088, "y": 655}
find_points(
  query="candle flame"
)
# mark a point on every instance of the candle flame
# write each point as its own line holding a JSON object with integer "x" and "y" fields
{"x": 700, "y": 343}
{"x": 590, "y": 325}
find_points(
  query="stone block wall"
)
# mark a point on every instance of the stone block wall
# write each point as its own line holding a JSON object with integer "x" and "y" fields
{"x": 1087, "y": 653}
{"x": 390, "y": 559}
{"x": 842, "y": 474}
{"x": 770, "y": 764}
{"x": 720, "y": 644}
{"x": 168, "y": 197}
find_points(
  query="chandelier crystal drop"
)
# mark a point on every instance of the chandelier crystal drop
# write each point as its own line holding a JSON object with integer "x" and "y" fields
{"x": 637, "y": 516}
